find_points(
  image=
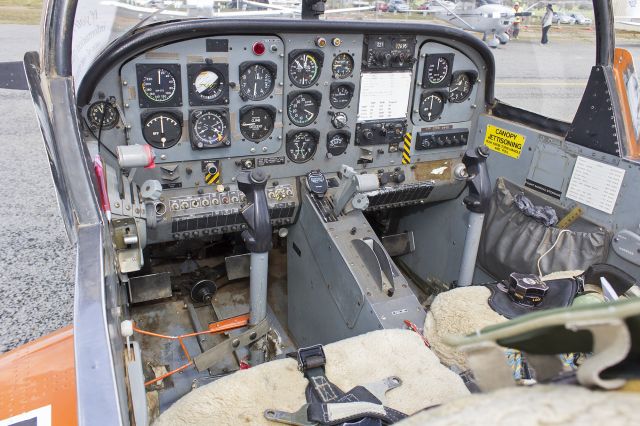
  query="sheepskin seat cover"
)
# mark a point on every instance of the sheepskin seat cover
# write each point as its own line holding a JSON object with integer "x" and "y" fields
{"x": 538, "y": 405}
{"x": 241, "y": 398}
{"x": 460, "y": 311}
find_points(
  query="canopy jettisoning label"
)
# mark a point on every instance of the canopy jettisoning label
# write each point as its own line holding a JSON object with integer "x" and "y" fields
{"x": 504, "y": 141}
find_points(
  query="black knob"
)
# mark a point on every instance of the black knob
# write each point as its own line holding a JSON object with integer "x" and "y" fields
{"x": 384, "y": 178}
{"x": 367, "y": 133}
{"x": 399, "y": 177}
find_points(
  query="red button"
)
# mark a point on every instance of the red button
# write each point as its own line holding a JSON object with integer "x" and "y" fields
{"x": 259, "y": 48}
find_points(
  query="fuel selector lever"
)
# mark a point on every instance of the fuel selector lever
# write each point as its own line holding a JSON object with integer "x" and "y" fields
{"x": 477, "y": 202}
{"x": 257, "y": 238}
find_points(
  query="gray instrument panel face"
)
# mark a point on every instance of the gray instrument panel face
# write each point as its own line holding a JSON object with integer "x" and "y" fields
{"x": 271, "y": 153}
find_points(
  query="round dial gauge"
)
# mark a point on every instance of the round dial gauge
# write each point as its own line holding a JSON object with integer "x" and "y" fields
{"x": 209, "y": 129}
{"x": 431, "y": 107}
{"x": 256, "y": 124}
{"x": 162, "y": 130}
{"x": 342, "y": 65}
{"x": 301, "y": 146}
{"x": 337, "y": 144}
{"x": 303, "y": 109}
{"x": 304, "y": 69}
{"x": 159, "y": 85}
{"x": 438, "y": 70}
{"x": 340, "y": 96}
{"x": 256, "y": 82}
{"x": 208, "y": 84}
{"x": 103, "y": 115}
{"x": 460, "y": 88}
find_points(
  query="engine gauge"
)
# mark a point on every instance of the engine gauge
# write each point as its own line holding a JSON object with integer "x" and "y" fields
{"x": 208, "y": 84}
{"x": 340, "y": 95}
{"x": 437, "y": 70}
{"x": 162, "y": 130}
{"x": 256, "y": 82}
{"x": 303, "y": 109}
{"x": 460, "y": 87}
{"x": 256, "y": 124}
{"x": 209, "y": 129}
{"x": 431, "y": 106}
{"x": 159, "y": 85}
{"x": 342, "y": 65}
{"x": 103, "y": 115}
{"x": 304, "y": 69}
{"x": 337, "y": 143}
{"x": 301, "y": 146}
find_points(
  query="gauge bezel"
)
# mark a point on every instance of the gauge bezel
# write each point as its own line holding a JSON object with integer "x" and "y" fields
{"x": 313, "y": 93}
{"x": 353, "y": 65}
{"x": 333, "y": 133}
{"x": 193, "y": 118}
{"x": 273, "y": 69}
{"x": 337, "y": 84}
{"x": 319, "y": 57}
{"x": 95, "y": 126}
{"x": 442, "y": 94}
{"x": 175, "y": 100}
{"x": 272, "y": 112}
{"x": 175, "y": 114}
{"x": 193, "y": 70}
{"x": 290, "y": 136}
{"x": 473, "y": 77}
{"x": 425, "y": 71}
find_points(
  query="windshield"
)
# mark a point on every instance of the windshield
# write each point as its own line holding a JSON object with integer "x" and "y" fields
{"x": 543, "y": 52}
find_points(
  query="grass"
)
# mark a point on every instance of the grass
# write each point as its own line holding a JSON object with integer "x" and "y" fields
{"x": 20, "y": 11}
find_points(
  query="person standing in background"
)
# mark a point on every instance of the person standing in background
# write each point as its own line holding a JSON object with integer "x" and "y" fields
{"x": 516, "y": 21}
{"x": 547, "y": 19}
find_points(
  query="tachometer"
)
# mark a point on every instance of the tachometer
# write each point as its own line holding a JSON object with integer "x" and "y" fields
{"x": 159, "y": 85}
{"x": 102, "y": 115}
{"x": 256, "y": 124}
{"x": 301, "y": 146}
{"x": 460, "y": 88}
{"x": 437, "y": 70}
{"x": 304, "y": 69}
{"x": 342, "y": 65}
{"x": 303, "y": 109}
{"x": 209, "y": 129}
{"x": 256, "y": 82}
{"x": 337, "y": 143}
{"x": 162, "y": 130}
{"x": 340, "y": 95}
{"x": 208, "y": 84}
{"x": 431, "y": 106}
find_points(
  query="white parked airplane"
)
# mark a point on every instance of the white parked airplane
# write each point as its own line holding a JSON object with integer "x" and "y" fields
{"x": 488, "y": 17}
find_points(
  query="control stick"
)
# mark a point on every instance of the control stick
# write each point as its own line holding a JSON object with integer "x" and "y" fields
{"x": 257, "y": 239}
{"x": 477, "y": 202}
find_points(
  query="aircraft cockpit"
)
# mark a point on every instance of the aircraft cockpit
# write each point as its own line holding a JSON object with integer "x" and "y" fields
{"x": 314, "y": 221}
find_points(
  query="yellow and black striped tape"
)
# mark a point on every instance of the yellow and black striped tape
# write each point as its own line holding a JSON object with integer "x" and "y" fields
{"x": 211, "y": 179}
{"x": 406, "y": 149}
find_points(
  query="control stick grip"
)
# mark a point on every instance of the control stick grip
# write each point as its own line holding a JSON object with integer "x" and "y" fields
{"x": 478, "y": 182}
{"x": 257, "y": 237}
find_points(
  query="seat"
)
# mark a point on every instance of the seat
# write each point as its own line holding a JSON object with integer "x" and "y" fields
{"x": 242, "y": 398}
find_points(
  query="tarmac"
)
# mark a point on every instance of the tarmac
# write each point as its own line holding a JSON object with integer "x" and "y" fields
{"x": 36, "y": 258}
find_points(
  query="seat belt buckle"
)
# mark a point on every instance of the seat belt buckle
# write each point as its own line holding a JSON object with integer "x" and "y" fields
{"x": 311, "y": 357}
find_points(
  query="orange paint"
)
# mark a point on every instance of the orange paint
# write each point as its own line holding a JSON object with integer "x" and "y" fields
{"x": 623, "y": 65}
{"x": 38, "y": 374}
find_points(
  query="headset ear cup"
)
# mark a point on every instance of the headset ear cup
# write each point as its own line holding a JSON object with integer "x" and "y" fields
{"x": 619, "y": 279}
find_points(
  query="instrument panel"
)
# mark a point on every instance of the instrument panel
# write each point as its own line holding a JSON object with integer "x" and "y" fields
{"x": 290, "y": 103}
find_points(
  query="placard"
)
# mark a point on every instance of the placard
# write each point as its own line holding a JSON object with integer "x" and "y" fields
{"x": 595, "y": 184}
{"x": 384, "y": 95}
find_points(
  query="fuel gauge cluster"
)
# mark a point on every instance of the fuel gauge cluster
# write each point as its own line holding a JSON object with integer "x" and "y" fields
{"x": 446, "y": 89}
